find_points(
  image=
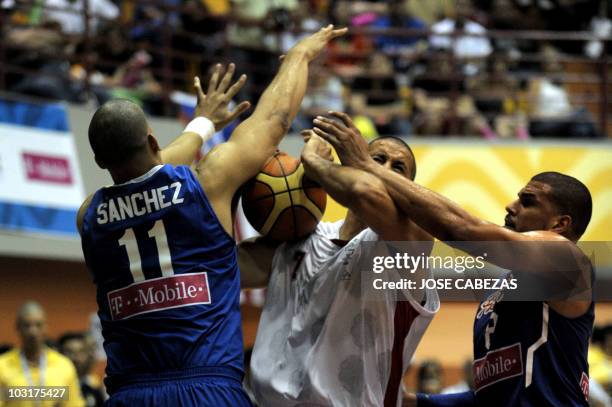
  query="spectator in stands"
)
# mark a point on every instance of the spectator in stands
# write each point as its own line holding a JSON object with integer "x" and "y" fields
{"x": 429, "y": 377}
{"x": 430, "y": 11}
{"x": 463, "y": 45}
{"x": 376, "y": 94}
{"x": 253, "y": 38}
{"x": 551, "y": 113}
{"x": 404, "y": 48}
{"x": 33, "y": 363}
{"x": 465, "y": 384}
{"x": 69, "y": 14}
{"x": 134, "y": 80}
{"x": 78, "y": 349}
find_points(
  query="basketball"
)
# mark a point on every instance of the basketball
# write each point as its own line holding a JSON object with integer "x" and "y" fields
{"x": 280, "y": 202}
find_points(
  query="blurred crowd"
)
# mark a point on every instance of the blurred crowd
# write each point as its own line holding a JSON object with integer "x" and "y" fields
{"x": 409, "y": 67}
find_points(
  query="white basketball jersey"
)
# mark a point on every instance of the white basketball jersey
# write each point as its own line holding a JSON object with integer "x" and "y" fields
{"x": 319, "y": 341}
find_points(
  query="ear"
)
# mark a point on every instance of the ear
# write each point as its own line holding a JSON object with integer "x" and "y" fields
{"x": 99, "y": 162}
{"x": 153, "y": 143}
{"x": 562, "y": 225}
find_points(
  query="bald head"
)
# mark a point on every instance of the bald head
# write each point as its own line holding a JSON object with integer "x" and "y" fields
{"x": 31, "y": 326}
{"x": 118, "y": 130}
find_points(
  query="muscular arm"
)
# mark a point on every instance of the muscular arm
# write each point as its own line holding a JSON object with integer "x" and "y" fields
{"x": 231, "y": 164}
{"x": 545, "y": 253}
{"x": 364, "y": 194}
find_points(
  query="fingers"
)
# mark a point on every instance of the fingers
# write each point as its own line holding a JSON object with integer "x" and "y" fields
{"x": 241, "y": 108}
{"x": 345, "y": 118}
{"x": 198, "y": 87}
{"x": 330, "y": 138}
{"x": 236, "y": 87}
{"x": 338, "y": 33}
{"x": 306, "y": 134}
{"x": 212, "y": 85}
{"x": 227, "y": 78}
{"x": 329, "y": 125}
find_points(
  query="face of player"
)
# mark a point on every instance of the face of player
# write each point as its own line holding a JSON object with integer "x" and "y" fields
{"x": 32, "y": 328}
{"x": 77, "y": 351}
{"x": 392, "y": 156}
{"x": 533, "y": 210}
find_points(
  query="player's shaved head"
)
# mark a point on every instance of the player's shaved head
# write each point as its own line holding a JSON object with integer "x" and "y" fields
{"x": 403, "y": 145}
{"x": 118, "y": 130}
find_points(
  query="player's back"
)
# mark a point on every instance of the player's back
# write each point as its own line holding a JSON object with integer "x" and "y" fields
{"x": 167, "y": 279}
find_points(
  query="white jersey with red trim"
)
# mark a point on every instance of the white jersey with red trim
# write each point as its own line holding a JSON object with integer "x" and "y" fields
{"x": 320, "y": 341}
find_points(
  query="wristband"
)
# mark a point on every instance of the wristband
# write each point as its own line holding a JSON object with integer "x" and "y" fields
{"x": 202, "y": 126}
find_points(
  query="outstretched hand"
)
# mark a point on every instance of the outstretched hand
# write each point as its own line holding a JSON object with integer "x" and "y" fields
{"x": 214, "y": 104}
{"x": 346, "y": 139}
{"x": 316, "y": 145}
{"x": 312, "y": 45}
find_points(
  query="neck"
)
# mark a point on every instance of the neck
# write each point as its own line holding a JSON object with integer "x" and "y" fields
{"x": 32, "y": 353}
{"x": 133, "y": 169}
{"x": 351, "y": 226}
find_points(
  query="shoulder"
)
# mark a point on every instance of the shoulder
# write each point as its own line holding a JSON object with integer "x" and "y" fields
{"x": 9, "y": 358}
{"x": 82, "y": 211}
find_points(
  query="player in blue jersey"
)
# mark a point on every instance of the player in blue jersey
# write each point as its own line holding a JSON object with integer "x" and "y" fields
{"x": 529, "y": 353}
{"x": 159, "y": 241}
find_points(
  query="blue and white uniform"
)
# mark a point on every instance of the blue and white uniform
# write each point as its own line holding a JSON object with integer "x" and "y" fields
{"x": 168, "y": 290}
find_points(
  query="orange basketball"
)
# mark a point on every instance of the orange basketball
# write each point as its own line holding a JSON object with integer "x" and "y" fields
{"x": 280, "y": 202}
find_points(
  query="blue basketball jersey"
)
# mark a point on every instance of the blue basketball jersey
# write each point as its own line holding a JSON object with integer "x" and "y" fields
{"x": 526, "y": 354}
{"x": 166, "y": 273}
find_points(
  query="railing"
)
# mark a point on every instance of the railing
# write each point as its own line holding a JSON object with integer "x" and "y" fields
{"x": 172, "y": 79}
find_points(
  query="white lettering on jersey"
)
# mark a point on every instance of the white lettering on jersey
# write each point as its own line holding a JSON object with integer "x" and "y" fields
{"x": 102, "y": 215}
{"x": 138, "y": 203}
{"x": 175, "y": 198}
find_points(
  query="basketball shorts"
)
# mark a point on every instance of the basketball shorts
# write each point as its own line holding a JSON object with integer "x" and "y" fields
{"x": 205, "y": 391}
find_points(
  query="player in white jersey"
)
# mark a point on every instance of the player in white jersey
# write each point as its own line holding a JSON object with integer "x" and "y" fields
{"x": 320, "y": 341}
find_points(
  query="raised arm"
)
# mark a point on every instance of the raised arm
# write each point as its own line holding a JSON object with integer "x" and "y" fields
{"x": 231, "y": 164}
{"x": 363, "y": 193}
{"x": 438, "y": 215}
{"x": 543, "y": 252}
{"x": 211, "y": 114}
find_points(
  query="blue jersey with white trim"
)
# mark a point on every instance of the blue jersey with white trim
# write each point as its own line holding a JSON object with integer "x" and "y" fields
{"x": 166, "y": 272}
{"x": 526, "y": 354}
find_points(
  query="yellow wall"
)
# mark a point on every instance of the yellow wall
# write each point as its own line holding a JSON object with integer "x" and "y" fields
{"x": 484, "y": 179}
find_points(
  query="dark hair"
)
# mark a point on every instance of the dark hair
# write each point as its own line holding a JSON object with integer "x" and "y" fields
{"x": 401, "y": 142}
{"x": 117, "y": 131}
{"x": 570, "y": 197}
{"x": 69, "y": 336}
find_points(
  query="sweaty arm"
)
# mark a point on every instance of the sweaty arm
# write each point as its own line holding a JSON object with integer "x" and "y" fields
{"x": 447, "y": 221}
{"x": 231, "y": 164}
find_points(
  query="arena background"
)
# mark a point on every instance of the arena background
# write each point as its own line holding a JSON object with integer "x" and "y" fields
{"x": 41, "y": 257}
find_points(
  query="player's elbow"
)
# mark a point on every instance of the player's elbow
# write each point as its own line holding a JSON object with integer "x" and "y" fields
{"x": 280, "y": 121}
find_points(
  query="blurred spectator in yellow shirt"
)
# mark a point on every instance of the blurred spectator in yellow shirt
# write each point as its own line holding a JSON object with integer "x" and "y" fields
{"x": 33, "y": 364}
